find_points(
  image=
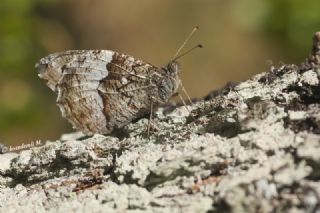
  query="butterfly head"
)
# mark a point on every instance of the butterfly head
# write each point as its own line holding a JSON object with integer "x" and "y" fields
{"x": 169, "y": 81}
{"x": 172, "y": 68}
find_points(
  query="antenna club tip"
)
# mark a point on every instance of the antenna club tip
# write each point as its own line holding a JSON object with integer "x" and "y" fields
{"x": 200, "y": 45}
{"x": 196, "y": 27}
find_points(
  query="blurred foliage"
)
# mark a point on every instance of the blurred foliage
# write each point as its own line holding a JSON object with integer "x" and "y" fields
{"x": 288, "y": 22}
{"x": 236, "y": 35}
{"x": 23, "y": 107}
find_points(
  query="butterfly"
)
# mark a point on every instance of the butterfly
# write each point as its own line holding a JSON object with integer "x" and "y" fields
{"x": 99, "y": 91}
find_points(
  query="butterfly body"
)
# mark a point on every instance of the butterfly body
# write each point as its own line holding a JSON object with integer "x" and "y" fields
{"x": 102, "y": 90}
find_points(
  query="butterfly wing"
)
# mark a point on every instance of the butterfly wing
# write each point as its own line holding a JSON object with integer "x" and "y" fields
{"x": 99, "y": 90}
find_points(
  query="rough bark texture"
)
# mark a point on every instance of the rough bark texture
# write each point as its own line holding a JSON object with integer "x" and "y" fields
{"x": 250, "y": 147}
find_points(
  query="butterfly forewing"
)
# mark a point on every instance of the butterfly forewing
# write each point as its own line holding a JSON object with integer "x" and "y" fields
{"x": 99, "y": 90}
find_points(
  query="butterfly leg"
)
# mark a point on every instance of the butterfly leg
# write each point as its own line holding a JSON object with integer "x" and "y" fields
{"x": 177, "y": 94}
{"x": 186, "y": 93}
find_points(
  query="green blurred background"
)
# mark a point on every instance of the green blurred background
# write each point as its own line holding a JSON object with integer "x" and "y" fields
{"x": 239, "y": 38}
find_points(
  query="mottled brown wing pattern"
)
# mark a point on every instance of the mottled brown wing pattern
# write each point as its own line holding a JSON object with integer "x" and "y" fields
{"x": 98, "y": 90}
{"x": 128, "y": 90}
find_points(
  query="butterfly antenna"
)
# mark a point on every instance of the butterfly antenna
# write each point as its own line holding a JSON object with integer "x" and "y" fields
{"x": 186, "y": 52}
{"x": 185, "y": 42}
{"x": 178, "y": 55}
